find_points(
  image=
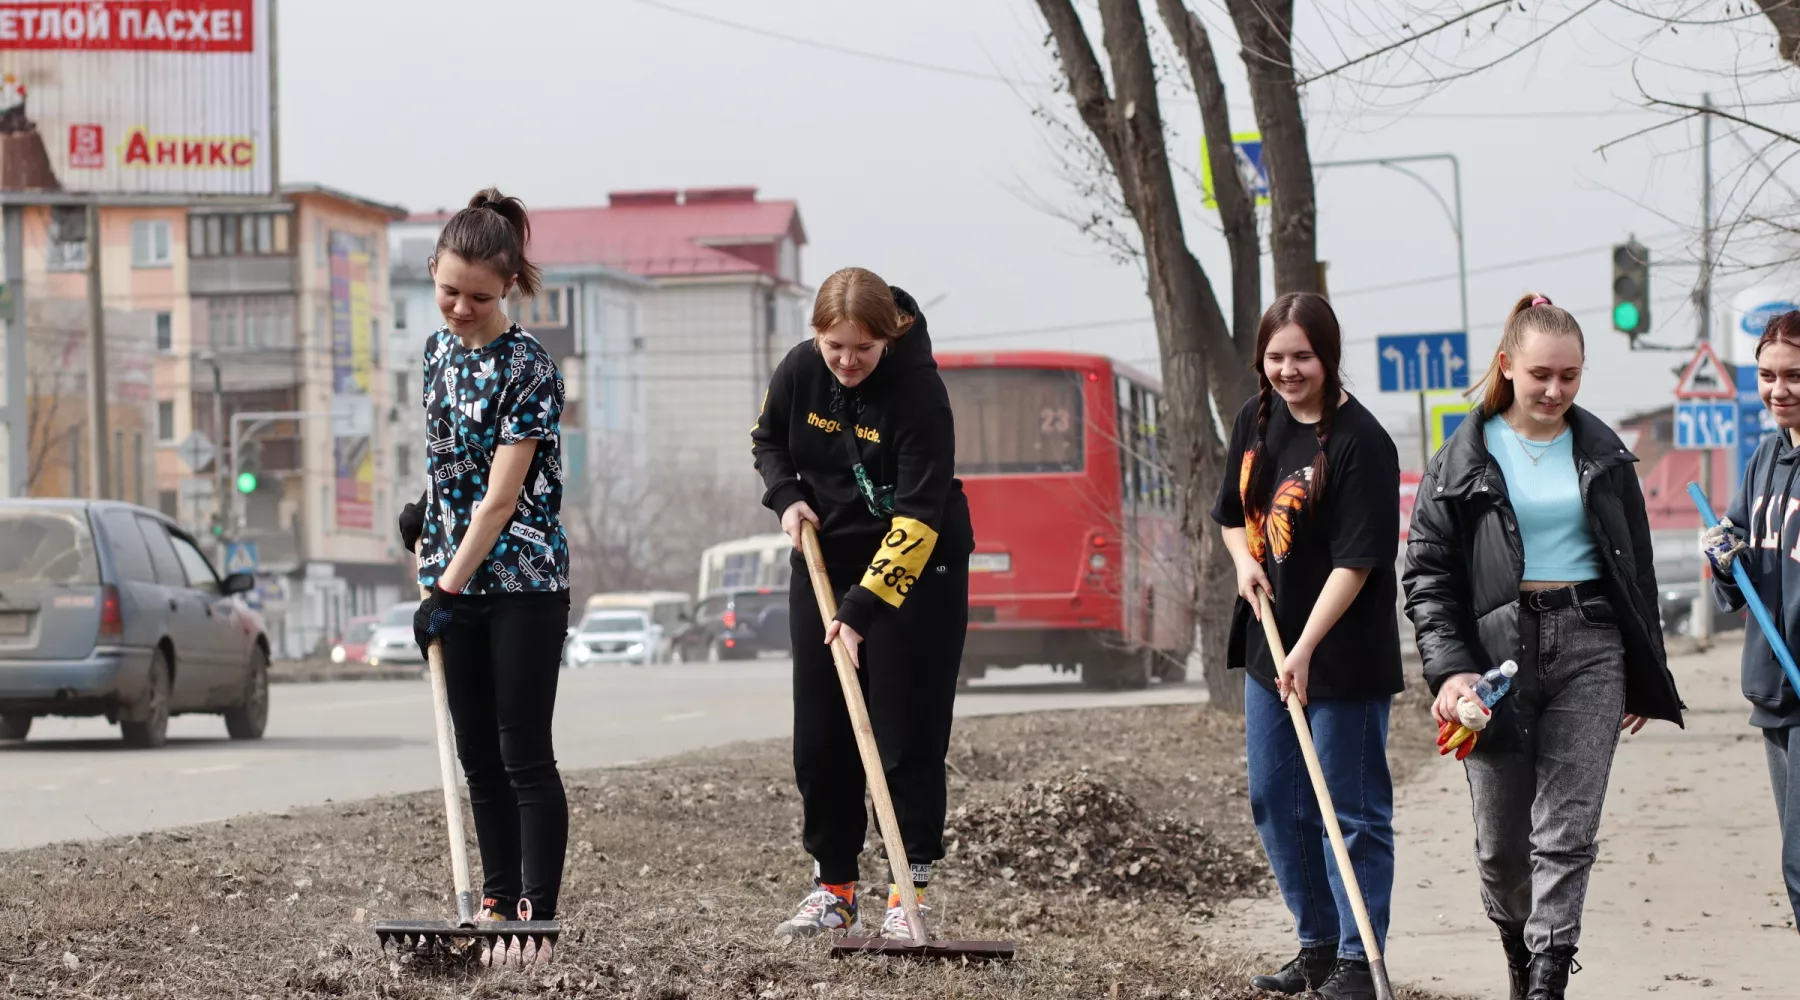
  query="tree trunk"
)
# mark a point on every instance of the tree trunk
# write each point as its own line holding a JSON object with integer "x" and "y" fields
{"x": 1266, "y": 29}
{"x": 1199, "y": 360}
{"x": 1786, "y": 18}
{"x": 1237, "y": 204}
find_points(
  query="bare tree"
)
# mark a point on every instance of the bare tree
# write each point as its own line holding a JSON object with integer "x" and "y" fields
{"x": 1266, "y": 30}
{"x": 1205, "y": 362}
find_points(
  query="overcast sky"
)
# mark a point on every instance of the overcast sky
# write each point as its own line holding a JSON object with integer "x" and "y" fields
{"x": 941, "y": 179}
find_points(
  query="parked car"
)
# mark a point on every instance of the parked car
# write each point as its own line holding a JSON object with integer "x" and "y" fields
{"x": 354, "y": 646}
{"x": 736, "y": 625}
{"x": 623, "y": 636}
{"x": 393, "y": 644}
{"x": 111, "y": 609}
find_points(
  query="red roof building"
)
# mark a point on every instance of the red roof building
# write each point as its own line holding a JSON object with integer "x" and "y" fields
{"x": 667, "y": 311}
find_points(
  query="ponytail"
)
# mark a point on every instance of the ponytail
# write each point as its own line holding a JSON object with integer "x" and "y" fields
{"x": 493, "y": 231}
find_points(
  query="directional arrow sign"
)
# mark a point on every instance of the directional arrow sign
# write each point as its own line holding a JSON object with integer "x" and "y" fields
{"x": 196, "y": 451}
{"x": 1417, "y": 362}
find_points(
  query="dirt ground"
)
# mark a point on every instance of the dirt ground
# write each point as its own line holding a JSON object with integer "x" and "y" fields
{"x": 1105, "y": 843}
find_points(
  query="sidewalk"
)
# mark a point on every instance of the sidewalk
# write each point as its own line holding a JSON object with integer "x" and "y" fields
{"x": 1685, "y": 901}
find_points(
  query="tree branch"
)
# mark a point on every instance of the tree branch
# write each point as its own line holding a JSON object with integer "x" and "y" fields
{"x": 1408, "y": 40}
{"x": 1087, "y": 85}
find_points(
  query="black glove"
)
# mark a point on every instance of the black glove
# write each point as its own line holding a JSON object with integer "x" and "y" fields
{"x": 433, "y": 618}
{"x": 412, "y": 523}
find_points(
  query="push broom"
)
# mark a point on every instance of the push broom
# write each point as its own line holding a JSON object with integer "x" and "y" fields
{"x": 501, "y": 942}
{"x": 1352, "y": 889}
{"x": 920, "y": 946}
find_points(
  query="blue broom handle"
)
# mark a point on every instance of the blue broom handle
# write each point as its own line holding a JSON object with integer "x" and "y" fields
{"x": 1757, "y": 609}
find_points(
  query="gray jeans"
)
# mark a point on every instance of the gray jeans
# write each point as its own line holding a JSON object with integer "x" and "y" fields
{"x": 1537, "y": 808}
{"x": 1783, "y": 747}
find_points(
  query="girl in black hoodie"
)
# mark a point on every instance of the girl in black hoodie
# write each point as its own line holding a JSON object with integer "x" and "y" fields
{"x": 855, "y": 436}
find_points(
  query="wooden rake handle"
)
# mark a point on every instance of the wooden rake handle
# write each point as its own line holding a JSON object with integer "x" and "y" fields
{"x": 873, "y": 773}
{"x": 1348, "y": 873}
{"x": 446, "y": 745}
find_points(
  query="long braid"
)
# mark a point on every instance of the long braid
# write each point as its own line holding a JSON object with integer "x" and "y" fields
{"x": 1257, "y": 499}
{"x": 1333, "y": 392}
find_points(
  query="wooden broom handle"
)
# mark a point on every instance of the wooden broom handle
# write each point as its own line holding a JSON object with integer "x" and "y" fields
{"x": 873, "y": 772}
{"x": 1352, "y": 888}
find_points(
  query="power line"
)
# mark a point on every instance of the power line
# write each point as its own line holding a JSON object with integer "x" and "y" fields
{"x": 823, "y": 46}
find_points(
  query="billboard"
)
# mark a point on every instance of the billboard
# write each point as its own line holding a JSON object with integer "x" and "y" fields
{"x": 136, "y": 96}
{"x": 352, "y": 371}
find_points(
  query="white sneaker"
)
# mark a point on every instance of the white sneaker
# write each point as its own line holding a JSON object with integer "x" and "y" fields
{"x": 821, "y": 912}
{"x": 896, "y": 926}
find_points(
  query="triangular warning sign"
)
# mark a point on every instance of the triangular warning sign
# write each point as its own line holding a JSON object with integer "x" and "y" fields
{"x": 1705, "y": 377}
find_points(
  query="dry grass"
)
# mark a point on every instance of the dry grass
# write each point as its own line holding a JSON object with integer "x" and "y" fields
{"x": 677, "y": 872}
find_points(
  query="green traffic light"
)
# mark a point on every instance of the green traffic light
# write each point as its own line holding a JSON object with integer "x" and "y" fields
{"x": 1625, "y": 316}
{"x": 246, "y": 482}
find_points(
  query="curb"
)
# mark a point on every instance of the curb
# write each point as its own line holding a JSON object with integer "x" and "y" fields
{"x": 369, "y": 674}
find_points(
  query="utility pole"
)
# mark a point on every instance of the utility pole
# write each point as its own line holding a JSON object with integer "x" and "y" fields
{"x": 18, "y": 406}
{"x": 221, "y": 484}
{"x": 97, "y": 440}
{"x": 1701, "y": 616}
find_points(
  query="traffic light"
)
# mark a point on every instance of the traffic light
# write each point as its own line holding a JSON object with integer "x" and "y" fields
{"x": 249, "y": 464}
{"x": 1631, "y": 288}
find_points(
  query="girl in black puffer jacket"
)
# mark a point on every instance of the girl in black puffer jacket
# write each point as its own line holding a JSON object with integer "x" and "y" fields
{"x": 1530, "y": 542}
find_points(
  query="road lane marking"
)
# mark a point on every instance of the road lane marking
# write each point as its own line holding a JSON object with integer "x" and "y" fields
{"x": 683, "y": 716}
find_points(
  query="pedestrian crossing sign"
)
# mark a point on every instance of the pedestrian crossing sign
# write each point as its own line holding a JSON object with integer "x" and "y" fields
{"x": 1445, "y": 412}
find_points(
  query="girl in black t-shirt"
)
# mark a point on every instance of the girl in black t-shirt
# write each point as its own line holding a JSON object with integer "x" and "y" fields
{"x": 1310, "y": 510}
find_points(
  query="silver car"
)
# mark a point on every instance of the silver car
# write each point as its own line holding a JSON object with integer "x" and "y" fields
{"x": 111, "y": 609}
{"x": 622, "y": 636}
{"x": 393, "y": 644}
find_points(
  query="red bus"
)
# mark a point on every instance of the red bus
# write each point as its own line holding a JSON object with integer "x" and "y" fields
{"x": 1079, "y": 560}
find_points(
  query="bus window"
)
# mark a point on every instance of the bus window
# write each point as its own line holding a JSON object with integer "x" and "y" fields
{"x": 1016, "y": 420}
{"x": 740, "y": 570}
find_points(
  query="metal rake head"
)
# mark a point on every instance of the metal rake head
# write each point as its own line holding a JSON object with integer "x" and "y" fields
{"x": 499, "y": 943}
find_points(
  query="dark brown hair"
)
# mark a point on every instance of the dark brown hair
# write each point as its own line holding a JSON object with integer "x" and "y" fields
{"x": 860, "y": 296}
{"x": 1784, "y": 328}
{"x": 1314, "y": 316}
{"x": 1532, "y": 312}
{"x": 492, "y": 231}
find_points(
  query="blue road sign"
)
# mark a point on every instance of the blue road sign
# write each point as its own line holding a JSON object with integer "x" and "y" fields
{"x": 1417, "y": 362}
{"x": 240, "y": 557}
{"x": 1704, "y": 424}
{"x": 1754, "y": 420}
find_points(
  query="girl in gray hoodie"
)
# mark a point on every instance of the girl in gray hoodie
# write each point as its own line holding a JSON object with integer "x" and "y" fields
{"x": 1761, "y": 532}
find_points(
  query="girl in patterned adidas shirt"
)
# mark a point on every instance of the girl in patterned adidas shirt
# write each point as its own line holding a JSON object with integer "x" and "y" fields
{"x": 492, "y": 551}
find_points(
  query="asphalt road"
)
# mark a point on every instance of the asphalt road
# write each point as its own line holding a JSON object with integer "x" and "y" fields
{"x": 74, "y": 780}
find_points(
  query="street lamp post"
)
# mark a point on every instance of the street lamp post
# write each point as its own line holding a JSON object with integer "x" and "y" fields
{"x": 1456, "y": 224}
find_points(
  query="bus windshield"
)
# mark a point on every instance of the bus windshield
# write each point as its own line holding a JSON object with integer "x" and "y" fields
{"x": 1016, "y": 420}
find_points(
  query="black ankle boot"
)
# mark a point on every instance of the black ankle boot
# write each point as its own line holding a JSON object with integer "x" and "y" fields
{"x": 1349, "y": 980}
{"x": 1548, "y": 975}
{"x": 1518, "y": 963}
{"x": 1306, "y": 971}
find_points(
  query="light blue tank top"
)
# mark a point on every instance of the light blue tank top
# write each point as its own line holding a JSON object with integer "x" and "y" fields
{"x": 1546, "y": 498}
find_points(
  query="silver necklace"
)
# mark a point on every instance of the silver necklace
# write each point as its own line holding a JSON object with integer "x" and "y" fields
{"x": 1525, "y": 445}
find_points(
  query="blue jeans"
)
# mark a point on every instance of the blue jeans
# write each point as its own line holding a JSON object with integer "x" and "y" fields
{"x": 1351, "y": 737}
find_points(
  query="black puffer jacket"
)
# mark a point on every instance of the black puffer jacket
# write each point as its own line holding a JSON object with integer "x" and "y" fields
{"x": 1465, "y": 560}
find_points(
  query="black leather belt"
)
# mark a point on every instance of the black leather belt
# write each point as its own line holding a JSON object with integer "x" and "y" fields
{"x": 1562, "y": 597}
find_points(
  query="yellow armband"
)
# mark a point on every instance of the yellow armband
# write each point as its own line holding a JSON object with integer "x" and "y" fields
{"x": 900, "y": 561}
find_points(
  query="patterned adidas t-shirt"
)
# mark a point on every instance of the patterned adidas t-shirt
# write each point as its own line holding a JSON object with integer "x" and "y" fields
{"x": 476, "y": 401}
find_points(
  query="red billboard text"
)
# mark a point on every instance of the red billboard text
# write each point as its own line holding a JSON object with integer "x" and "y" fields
{"x": 128, "y": 25}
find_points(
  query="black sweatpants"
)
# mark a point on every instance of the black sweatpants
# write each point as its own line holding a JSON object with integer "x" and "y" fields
{"x": 502, "y": 653}
{"x": 909, "y": 661}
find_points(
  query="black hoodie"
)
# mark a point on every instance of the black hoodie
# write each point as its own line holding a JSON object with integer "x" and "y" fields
{"x": 1768, "y": 485}
{"x": 907, "y": 444}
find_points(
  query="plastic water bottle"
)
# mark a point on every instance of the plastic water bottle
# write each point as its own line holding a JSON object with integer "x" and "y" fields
{"x": 1495, "y": 683}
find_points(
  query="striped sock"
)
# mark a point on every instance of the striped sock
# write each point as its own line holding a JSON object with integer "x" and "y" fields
{"x": 845, "y": 891}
